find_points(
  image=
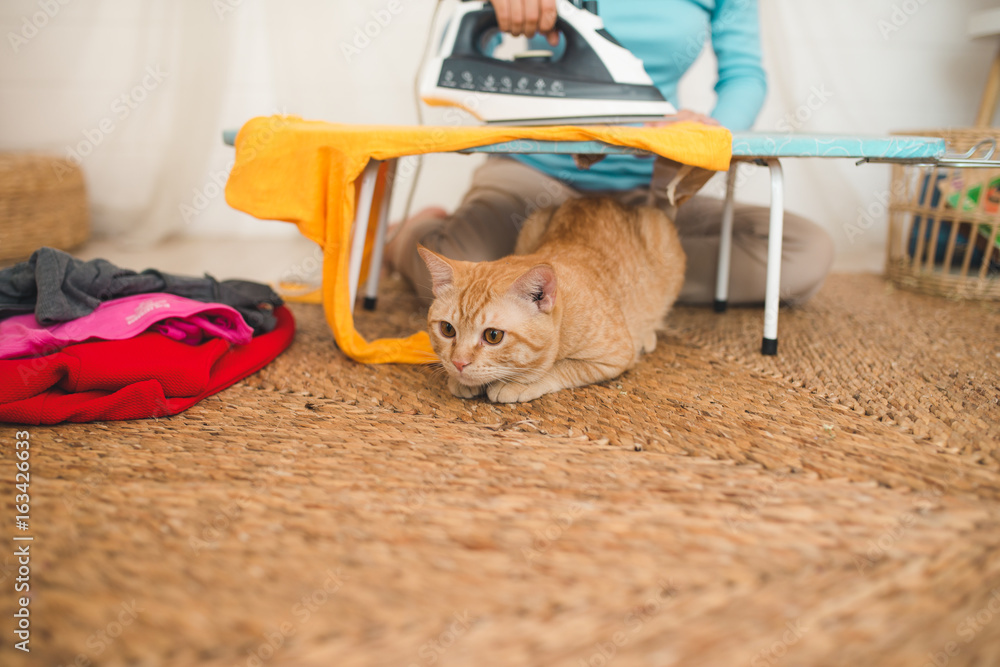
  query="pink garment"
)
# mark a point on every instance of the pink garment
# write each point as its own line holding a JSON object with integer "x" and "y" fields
{"x": 179, "y": 318}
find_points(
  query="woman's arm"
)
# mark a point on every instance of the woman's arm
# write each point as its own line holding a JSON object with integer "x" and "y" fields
{"x": 742, "y": 84}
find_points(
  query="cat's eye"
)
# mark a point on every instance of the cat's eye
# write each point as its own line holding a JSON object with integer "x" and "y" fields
{"x": 493, "y": 336}
{"x": 447, "y": 330}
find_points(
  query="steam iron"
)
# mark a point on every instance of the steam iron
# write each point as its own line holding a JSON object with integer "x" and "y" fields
{"x": 594, "y": 80}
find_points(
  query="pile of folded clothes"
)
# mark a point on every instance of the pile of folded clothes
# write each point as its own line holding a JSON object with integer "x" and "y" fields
{"x": 89, "y": 341}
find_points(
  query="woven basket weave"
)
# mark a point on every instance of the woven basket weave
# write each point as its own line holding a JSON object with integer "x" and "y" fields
{"x": 944, "y": 224}
{"x": 43, "y": 202}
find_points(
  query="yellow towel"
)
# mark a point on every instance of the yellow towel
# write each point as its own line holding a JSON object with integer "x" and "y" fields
{"x": 304, "y": 172}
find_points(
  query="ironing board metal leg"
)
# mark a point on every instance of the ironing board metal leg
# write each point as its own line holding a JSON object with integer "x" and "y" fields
{"x": 725, "y": 243}
{"x": 360, "y": 229}
{"x": 375, "y": 267}
{"x": 774, "y": 236}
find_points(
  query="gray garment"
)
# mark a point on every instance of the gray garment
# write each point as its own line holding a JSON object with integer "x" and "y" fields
{"x": 504, "y": 192}
{"x": 58, "y": 287}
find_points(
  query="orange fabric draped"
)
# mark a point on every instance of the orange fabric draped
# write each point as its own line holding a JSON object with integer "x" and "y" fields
{"x": 305, "y": 172}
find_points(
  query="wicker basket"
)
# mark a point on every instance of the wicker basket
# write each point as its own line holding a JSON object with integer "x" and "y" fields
{"x": 43, "y": 202}
{"x": 944, "y": 224}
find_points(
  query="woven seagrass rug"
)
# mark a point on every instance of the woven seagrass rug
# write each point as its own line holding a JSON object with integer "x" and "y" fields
{"x": 838, "y": 504}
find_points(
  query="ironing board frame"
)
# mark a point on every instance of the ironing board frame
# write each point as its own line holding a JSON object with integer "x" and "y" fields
{"x": 763, "y": 149}
{"x": 769, "y": 344}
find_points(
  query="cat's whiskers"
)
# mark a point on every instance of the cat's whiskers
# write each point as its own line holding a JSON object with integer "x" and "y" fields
{"x": 437, "y": 368}
{"x": 515, "y": 373}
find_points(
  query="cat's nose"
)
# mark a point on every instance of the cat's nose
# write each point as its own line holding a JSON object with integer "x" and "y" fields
{"x": 460, "y": 364}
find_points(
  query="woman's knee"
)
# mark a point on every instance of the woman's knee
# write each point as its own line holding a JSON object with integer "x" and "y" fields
{"x": 807, "y": 258}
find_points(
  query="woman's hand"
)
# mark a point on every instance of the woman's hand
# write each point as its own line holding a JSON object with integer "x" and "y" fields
{"x": 527, "y": 17}
{"x": 682, "y": 115}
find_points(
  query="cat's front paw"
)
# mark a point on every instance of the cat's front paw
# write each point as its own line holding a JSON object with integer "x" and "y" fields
{"x": 514, "y": 392}
{"x": 649, "y": 342}
{"x": 463, "y": 390}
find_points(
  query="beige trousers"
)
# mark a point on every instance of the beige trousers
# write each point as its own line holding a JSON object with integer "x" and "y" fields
{"x": 504, "y": 192}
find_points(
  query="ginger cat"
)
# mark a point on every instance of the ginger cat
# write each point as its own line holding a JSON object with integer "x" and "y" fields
{"x": 582, "y": 297}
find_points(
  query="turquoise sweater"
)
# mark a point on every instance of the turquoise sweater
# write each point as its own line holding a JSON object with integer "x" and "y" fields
{"x": 668, "y": 35}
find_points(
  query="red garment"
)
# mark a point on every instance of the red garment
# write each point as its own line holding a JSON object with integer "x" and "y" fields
{"x": 146, "y": 376}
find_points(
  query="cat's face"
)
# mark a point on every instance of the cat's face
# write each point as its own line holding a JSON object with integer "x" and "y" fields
{"x": 492, "y": 321}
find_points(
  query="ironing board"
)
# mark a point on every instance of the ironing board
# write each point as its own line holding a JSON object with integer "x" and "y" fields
{"x": 765, "y": 149}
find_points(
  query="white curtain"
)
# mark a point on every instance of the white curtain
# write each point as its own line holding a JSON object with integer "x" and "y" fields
{"x": 130, "y": 90}
{"x": 72, "y": 75}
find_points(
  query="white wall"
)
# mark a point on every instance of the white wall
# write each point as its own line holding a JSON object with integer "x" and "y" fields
{"x": 881, "y": 65}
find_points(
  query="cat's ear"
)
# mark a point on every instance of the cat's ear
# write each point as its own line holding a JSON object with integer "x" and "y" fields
{"x": 537, "y": 285}
{"x": 442, "y": 270}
